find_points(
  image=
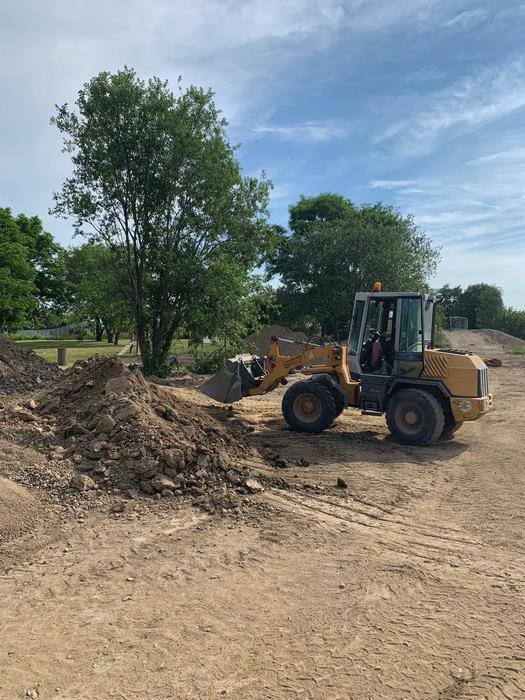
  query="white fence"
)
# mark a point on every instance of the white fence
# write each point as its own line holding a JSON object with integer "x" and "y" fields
{"x": 456, "y": 323}
{"x": 60, "y": 332}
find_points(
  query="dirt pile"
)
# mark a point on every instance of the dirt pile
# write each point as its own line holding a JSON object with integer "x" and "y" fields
{"x": 262, "y": 340}
{"x": 116, "y": 429}
{"x": 21, "y": 370}
{"x": 509, "y": 342}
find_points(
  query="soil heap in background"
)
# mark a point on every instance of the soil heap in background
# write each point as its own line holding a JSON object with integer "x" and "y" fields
{"x": 509, "y": 342}
{"x": 119, "y": 429}
{"x": 262, "y": 340}
{"x": 21, "y": 370}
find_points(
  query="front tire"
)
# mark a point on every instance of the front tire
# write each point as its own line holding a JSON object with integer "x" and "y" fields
{"x": 415, "y": 417}
{"x": 309, "y": 407}
{"x": 450, "y": 428}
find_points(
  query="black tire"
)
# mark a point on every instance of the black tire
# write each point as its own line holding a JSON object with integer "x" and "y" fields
{"x": 451, "y": 426}
{"x": 309, "y": 407}
{"x": 415, "y": 417}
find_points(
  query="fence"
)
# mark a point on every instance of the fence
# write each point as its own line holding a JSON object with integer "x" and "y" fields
{"x": 456, "y": 323}
{"x": 60, "y": 332}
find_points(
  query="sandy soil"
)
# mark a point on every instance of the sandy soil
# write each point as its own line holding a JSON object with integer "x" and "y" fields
{"x": 407, "y": 584}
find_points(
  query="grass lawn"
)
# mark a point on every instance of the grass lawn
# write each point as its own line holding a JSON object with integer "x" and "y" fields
{"x": 77, "y": 350}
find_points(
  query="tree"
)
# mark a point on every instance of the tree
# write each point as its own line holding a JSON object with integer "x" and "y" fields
{"x": 324, "y": 207}
{"x": 483, "y": 305}
{"x": 450, "y": 299}
{"x": 47, "y": 258}
{"x": 155, "y": 176}
{"x": 95, "y": 284}
{"x": 17, "y": 274}
{"x": 325, "y": 261}
{"x": 513, "y": 321}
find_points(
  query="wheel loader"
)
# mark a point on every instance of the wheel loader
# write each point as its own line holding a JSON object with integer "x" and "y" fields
{"x": 389, "y": 366}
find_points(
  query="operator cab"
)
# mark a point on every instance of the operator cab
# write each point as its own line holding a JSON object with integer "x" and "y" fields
{"x": 388, "y": 335}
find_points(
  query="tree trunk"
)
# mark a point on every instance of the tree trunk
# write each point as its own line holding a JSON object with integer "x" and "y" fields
{"x": 109, "y": 334}
{"x": 116, "y": 335}
{"x": 99, "y": 330}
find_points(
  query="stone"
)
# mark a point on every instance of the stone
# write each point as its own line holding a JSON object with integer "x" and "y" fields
{"x": 82, "y": 482}
{"x": 203, "y": 460}
{"x": 341, "y": 483}
{"x": 85, "y": 467}
{"x": 254, "y": 486}
{"x": 77, "y": 459}
{"x": 118, "y": 385}
{"x": 99, "y": 469}
{"x": 31, "y": 404}
{"x": 161, "y": 482}
{"x": 173, "y": 459}
{"x": 234, "y": 477}
{"x": 145, "y": 485}
{"x": 224, "y": 459}
{"x": 126, "y": 412}
{"x": 105, "y": 424}
{"x": 23, "y": 414}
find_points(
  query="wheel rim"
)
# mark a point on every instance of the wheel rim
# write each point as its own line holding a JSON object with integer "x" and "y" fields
{"x": 409, "y": 417}
{"x": 307, "y": 407}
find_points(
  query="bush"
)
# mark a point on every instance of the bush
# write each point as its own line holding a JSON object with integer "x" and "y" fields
{"x": 212, "y": 362}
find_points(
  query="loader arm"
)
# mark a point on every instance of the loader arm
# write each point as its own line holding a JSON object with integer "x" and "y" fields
{"x": 315, "y": 359}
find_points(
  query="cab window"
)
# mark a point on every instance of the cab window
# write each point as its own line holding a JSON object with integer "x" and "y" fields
{"x": 410, "y": 327}
{"x": 357, "y": 318}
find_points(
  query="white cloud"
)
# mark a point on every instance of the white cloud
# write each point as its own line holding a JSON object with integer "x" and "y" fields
{"x": 473, "y": 101}
{"x": 466, "y": 19}
{"x": 319, "y": 132}
{"x": 390, "y": 184}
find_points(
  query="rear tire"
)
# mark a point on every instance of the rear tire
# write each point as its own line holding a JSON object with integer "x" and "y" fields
{"x": 415, "y": 417}
{"x": 309, "y": 407}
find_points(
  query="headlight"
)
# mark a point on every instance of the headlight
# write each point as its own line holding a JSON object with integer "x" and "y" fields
{"x": 464, "y": 406}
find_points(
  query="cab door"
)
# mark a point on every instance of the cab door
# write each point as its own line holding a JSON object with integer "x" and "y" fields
{"x": 408, "y": 344}
{"x": 355, "y": 337}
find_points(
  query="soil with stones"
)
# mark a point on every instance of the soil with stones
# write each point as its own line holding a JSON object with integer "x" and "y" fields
{"x": 21, "y": 370}
{"x": 383, "y": 571}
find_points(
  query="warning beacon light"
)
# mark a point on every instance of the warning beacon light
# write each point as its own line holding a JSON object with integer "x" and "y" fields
{"x": 376, "y": 287}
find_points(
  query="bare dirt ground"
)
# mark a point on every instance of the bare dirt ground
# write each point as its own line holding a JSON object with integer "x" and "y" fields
{"x": 406, "y": 584}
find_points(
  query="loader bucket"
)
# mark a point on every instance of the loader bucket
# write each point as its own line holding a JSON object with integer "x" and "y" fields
{"x": 232, "y": 383}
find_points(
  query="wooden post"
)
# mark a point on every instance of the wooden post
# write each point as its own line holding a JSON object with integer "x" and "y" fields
{"x": 62, "y": 356}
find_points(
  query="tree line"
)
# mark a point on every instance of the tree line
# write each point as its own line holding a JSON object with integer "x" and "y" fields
{"x": 482, "y": 305}
{"x": 177, "y": 238}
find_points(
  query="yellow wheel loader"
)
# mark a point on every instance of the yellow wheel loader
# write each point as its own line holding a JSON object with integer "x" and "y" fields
{"x": 389, "y": 366}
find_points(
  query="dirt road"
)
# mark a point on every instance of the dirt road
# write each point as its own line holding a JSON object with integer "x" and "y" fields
{"x": 407, "y": 584}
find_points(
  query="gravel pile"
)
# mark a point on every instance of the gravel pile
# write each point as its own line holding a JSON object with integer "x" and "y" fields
{"x": 115, "y": 429}
{"x": 21, "y": 370}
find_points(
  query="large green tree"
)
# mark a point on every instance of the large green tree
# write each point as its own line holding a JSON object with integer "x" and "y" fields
{"x": 18, "y": 291}
{"x": 336, "y": 249}
{"x": 96, "y": 288}
{"x": 154, "y": 175}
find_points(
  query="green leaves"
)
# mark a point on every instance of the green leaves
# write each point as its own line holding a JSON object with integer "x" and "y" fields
{"x": 17, "y": 274}
{"x": 336, "y": 249}
{"x": 155, "y": 177}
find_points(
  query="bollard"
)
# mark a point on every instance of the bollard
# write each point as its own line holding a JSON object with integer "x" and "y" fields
{"x": 62, "y": 357}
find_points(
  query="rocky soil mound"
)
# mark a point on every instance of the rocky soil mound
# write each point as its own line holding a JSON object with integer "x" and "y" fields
{"x": 21, "y": 370}
{"x": 117, "y": 429}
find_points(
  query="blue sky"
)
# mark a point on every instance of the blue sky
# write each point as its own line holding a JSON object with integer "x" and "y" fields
{"x": 418, "y": 103}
